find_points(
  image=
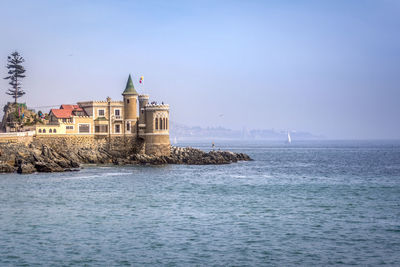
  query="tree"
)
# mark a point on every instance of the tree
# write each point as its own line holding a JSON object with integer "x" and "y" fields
{"x": 16, "y": 73}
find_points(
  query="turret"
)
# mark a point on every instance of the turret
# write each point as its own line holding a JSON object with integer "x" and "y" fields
{"x": 157, "y": 130}
{"x": 143, "y": 100}
{"x": 130, "y": 106}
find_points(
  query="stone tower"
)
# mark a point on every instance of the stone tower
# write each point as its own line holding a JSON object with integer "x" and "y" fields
{"x": 143, "y": 101}
{"x": 157, "y": 130}
{"x": 130, "y": 107}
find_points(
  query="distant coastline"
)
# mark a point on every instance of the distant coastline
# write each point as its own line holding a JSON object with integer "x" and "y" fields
{"x": 193, "y": 133}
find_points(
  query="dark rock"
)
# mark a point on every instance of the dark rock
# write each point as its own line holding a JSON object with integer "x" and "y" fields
{"x": 197, "y": 157}
{"x": 74, "y": 164}
{"x": 5, "y": 167}
{"x": 25, "y": 168}
{"x": 42, "y": 158}
{"x": 48, "y": 167}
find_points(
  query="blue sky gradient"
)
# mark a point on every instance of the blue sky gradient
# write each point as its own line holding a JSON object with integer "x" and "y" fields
{"x": 328, "y": 67}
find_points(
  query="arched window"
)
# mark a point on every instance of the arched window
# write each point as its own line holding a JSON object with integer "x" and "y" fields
{"x": 166, "y": 124}
{"x": 50, "y": 131}
{"x": 156, "y": 123}
{"x": 40, "y": 130}
{"x": 44, "y": 130}
{"x": 161, "y": 124}
{"x": 54, "y": 130}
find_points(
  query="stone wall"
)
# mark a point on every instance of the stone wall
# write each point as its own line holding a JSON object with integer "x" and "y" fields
{"x": 16, "y": 139}
{"x": 157, "y": 145}
{"x": 124, "y": 145}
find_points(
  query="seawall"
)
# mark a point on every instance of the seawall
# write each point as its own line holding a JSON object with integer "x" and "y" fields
{"x": 121, "y": 144}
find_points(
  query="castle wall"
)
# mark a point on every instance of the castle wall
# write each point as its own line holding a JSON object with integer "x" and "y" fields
{"x": 124, "y": 145}
{"x": 158, "y": 145}
{"x": 7, "y": 139}
{"x": 156, "y": 139}
{"x": 150, "y": 144}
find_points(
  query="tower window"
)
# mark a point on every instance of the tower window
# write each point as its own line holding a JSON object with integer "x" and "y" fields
{"x": 127, "y": 101}
{"x": 50, "y": 131}
{"x": 40, "y": 130}
{"x": 128, "y": 126}
{"x": 156, "y": 123}
{"x": 166, "y": 123}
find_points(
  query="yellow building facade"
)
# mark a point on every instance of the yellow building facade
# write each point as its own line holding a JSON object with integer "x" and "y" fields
{"x": 133, "y": 117}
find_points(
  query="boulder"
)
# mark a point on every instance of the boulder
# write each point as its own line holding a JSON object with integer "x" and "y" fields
{"x": 25, "y": 168}
{"x": 48, "y": 167}
{"x": 5, "y": 167}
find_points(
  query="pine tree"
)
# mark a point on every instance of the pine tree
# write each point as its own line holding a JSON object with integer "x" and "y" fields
{"x": 16, "y": 73}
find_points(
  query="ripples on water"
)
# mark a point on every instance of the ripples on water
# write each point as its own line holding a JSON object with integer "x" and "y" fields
{"x": 324, "y": 203}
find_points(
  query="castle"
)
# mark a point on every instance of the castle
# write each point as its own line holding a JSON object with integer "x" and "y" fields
{"x": 147, "y": 124}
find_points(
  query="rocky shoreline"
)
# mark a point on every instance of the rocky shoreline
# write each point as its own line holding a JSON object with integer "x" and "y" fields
{"x": 24, "y": 159}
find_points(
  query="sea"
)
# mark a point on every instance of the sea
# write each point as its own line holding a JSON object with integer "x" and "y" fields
{"x": 323, "y": 203}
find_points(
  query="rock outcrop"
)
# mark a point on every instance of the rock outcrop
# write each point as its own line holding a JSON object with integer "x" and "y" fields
{"x": 42, "y": 158}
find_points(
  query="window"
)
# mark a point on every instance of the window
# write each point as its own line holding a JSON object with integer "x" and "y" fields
{"x": 54, "y": 131}
{"x": 84, "y": 128}
{"x": 70, "y": 127}
{"x": 117, "y": 112}
{"x": 128, "y": 126}
{"x": 101, "y": 112}
{"x": 117, "y": 128}
{"x": 50, "y": 131}
{"x": 101, "y": 129}
{"x": 156, "y": 123}
{"x": 44, "y": 130}
{"x": 127, "y": 101}
{"x": 40, "y": 130}
{"x": 166, "y": 123}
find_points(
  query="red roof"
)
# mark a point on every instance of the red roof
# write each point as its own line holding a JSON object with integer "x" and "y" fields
{"x": 61, "y": 113}
{"x": 72, "y": 107}
{"x": 65, "y": 111}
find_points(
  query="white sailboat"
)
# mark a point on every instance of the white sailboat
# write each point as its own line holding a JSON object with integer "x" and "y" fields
{"x": 289, "y": 139}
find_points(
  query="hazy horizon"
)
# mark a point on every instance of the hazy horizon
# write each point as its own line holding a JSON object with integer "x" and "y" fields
{"x": 329, "y": 68}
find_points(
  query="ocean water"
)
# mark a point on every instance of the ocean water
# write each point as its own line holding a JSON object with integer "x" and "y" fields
{"x": 309, "y": 203}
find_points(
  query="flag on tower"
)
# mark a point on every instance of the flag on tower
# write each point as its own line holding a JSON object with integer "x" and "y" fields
{"x": 141, "y": 79}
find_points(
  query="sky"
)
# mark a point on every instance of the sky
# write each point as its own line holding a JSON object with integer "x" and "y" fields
{"x": 331, "y": 68}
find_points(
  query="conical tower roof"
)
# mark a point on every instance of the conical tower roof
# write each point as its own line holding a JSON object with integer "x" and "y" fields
{"x": 129, "y": 89}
